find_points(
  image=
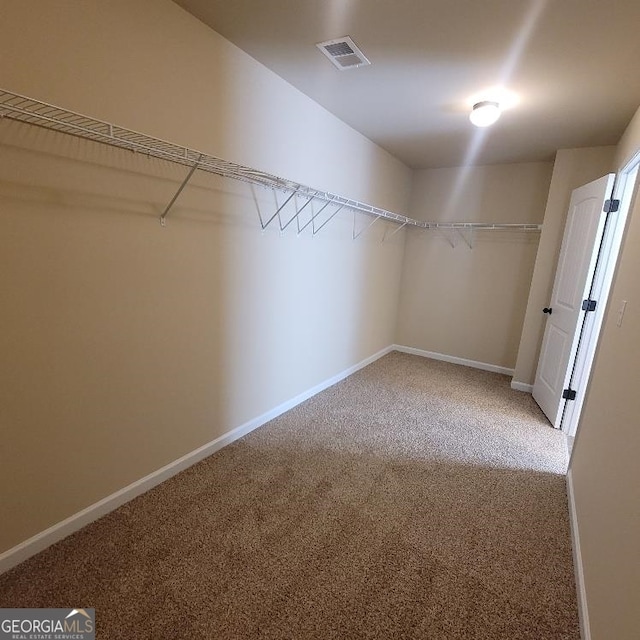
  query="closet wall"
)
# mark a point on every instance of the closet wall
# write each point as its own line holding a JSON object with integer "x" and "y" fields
{"x": 126, "y": 345}
{"x": 604, "y": 468}
{"x": 463, "y": 302}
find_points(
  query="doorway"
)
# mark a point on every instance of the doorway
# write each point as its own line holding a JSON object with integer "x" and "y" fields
{"x": 591, "y": 243}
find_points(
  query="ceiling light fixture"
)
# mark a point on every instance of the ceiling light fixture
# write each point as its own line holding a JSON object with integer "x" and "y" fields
{"x": 485, "y": 113}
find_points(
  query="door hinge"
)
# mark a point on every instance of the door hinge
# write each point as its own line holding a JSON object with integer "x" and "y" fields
{"x": 589, "y": 305}
{"x": 569, "y": 394}
{"x": 611, "y": 206}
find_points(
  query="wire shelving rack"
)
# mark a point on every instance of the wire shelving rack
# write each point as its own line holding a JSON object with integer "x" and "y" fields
{"x": 35, "y": 112}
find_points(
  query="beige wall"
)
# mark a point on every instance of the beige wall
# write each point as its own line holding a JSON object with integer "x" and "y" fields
{"x": 464, "y": 302}
{"x": 572, "y": 168}
{"x": 125, "y": 345}
{"x": 629, "y": 143}
{"x": 604, "y": 465}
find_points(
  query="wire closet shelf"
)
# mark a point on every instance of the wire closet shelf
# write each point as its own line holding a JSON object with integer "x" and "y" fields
{"x": 29, "y": 110}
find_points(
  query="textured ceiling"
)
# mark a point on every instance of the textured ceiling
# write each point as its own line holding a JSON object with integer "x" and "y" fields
{"x": 572, "y": 63}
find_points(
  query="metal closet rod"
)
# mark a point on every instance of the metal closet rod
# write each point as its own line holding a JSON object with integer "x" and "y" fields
{"x": 24, "y": 109}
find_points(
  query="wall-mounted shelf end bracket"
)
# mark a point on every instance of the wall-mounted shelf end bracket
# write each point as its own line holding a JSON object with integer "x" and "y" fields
{"x": 163, "y": 217}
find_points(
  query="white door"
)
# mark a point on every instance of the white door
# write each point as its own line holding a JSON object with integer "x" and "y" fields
{"x": 576, "y": 266}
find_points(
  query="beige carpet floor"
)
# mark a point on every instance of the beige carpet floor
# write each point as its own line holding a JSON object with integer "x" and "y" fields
{"x": 416, "y": 499}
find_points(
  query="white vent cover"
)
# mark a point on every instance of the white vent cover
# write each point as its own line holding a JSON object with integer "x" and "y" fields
{"x": 343, "y": 53}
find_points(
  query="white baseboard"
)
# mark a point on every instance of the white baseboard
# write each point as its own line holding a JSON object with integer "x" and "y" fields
{"x": 521, "y": 386}
{"x": 53, "y": 534}
{"x": 585, "y": 631}
{"x": 485, "y": 366}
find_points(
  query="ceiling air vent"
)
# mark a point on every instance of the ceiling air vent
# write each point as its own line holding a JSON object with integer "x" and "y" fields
{"x": 343, "y": 53}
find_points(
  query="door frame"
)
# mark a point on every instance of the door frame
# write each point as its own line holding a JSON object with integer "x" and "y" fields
{"x": 584, "y": 228}
{"x": 624, "y": 189}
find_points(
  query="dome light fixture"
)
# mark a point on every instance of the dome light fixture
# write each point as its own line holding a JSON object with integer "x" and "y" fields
{"x": 485, "y": 113}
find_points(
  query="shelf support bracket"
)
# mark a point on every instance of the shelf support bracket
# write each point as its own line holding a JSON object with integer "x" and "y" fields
{"x": 357, "y": 235}
{"x": 466, "y": 233}
{"x": 298, "y": 211}
{"x": 393, "y": 233}
{"x": 252, "y": 186}
{"x": 315, "y": 215}
{"x": 278, "y": 210}
{"x": 179, "y": 191}
{"x": 448, "y": 237}
{"x": 331, "y": 217}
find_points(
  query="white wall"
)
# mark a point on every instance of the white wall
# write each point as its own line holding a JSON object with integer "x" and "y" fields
{"x": 604, "y": 465}
{"x": 125, "y": 345}
{"x": 463, "y": 302}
